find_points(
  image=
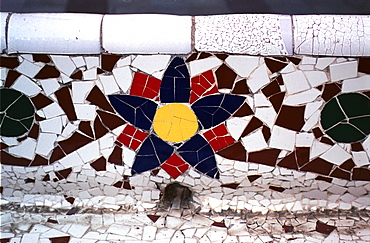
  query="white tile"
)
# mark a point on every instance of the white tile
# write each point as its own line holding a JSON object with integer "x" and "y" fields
{"x": 323, "y": 62}
{"x": 53, "y": 125}
{"x": 89, "y": 152}
{"x": 306, "y": 67}
{"x": 25, "y": 149}
{"x": 308, "y": 60}
{"x": 30, "y": 237}
{"x": 288, "y": 69}
{"x": 302, "y": 97}
{"x": 45, "y": 143}
{"x": 152, "y": 63}
{"x": 123, "y": 76}
{"x": 29, "y": 69}
{"x": 89, "y": 74}
{"x": 45, "y": 33}
{"x": 318, "y": 149}
{"x": 109, "y": 84}
{"x": 85, "y": 112}
{"x": 295, "y": 82}
{"x": 336, "y": 155}
{"x": 343, "y": 70}
{"x": 78, "y": 61}
{"x": 366, "y": 146}
{"x": 260, "y": 100}
{"x": 271, "y": 34}
{"x": 258, "y": 78}
{"x": 49, "y": 85}
{"x": 243, "y": 65}
{"x": 311, "y": 108}
{"x": 266, "y": 114}
{"x": 71, "y": 160}
{"x": 282, "y": 138}
{"x": 3, "y": 74}
{"x": 199, "y": 66}
{"x": 335, "y": 35}
{"x": 64, "y": 64}
{"x": 3, "y": 18}
{"x": 356, "y": 84}
{"x": 312, "y": 121}
{"x": 124, "y": 61}
{"x": 26, "y": 85}
{"x": 236, "y": 125}
{"x": 316, "y": 78}
{"x": 80, "y": 90}
{"x": 78, "y": 230}
{"x": 304, "y": 139}
{"x": 147, "y": 33}
{"x": 92, "y": 62}
{"x": 52, "y": 110}
{"x": 360, "y": 158}
{"x": 254, "y": 141}
{"x": 149, "y": 233}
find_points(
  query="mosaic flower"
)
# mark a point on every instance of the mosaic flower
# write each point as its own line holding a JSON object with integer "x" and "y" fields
{"x": 177, "y": 121}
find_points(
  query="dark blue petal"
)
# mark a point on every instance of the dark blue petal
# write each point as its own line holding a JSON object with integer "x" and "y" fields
{"x": 152, "y": 153}
{"x": 175, "y": 86}
{"x": 214, "y": 109}
{"x": 138, "y": 111}
{"x": 198, "y": 153}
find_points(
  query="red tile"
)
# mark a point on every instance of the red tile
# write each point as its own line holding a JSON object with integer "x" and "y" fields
{"x": 202, "y": 85}
{"x": 218, "y": 137}
{"x": 145, "y": 86}
{"x": 175, "y": 166}
{"x": 132, "y": 137}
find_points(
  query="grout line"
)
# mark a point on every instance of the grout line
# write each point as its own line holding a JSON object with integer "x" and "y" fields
{"x": 192, "y": 34}
{"x": 6, "y": 32}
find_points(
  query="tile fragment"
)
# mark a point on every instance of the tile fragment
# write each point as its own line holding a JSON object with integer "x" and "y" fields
{"x": 145, "y": 86}
{"x": 241, "y": 87}
{"x": 319, "y": 166}
{"x": 116, "y": 156}
{"x": 175, "y": 166}
{"x": 110, "y": 120}
{"x": 9, "y": 62}
{"x": 65, "y": 101}
{"x": 99, "y": 164}
{"x": 225, "y": 77}
{"x": 11, "y": 77}
{"x": 97, "y": 97}
{"x": 202, "y": 85}
{"x": 291, "y": 117}
{"x": 266, "y": 156}
{"x": 47, "y": 72}
{"x": 235, "y": 151}
{"x": 108, "y": 61}
{"x": 324, "y": 228}
{"x": 345, "y": 70}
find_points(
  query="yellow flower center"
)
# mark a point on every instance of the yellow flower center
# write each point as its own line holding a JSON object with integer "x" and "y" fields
{"x": 175, "y": 122}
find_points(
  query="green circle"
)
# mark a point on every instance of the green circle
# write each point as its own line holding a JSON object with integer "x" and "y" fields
{"x": 346, "y": 117}
{"x": 16, "y": 113}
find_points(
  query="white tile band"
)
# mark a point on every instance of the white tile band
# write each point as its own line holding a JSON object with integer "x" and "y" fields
{"x": 252, "y": 34}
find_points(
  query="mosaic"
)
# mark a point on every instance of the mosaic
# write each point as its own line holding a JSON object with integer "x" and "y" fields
{"x": 262, "y": 134}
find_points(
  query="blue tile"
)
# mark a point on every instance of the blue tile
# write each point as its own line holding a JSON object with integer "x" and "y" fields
{"x": 215, "y": 109}
{"x": 199, "y": 154}
{"x": 138, "y": 111}
{"x": 175, "y": 86}
{"x": 152, "y": 153}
